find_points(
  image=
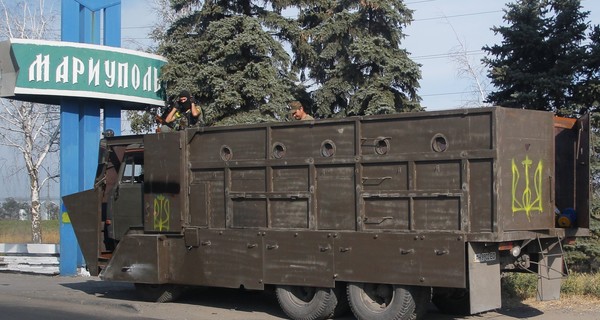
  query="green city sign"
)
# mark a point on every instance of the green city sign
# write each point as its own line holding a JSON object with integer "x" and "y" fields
{"x": 53, "y": 69}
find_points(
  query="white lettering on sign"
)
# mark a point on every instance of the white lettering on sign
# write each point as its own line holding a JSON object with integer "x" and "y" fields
{"x": 94, "y": 72}
{"x": 78, "y": 69}
{"x": 71, "y": 69}
{"x": 485, "y": 257}
{"x": 109, "y": 70}
{"x": 40, "y": 67}
{"x": 62, "y": 72}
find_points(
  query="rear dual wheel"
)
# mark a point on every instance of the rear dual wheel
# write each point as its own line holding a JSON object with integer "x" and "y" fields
{"x": 367, "y": 301}
{"x": 370, "y": 301}
{"x": 310, "y": 303}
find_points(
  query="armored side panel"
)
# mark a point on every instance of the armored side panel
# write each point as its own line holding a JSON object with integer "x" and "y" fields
{"x": 222, "y": 258}
{"x": 165, "y": 185}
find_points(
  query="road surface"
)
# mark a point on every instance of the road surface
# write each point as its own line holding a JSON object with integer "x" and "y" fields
{"x": 51, "y": 297}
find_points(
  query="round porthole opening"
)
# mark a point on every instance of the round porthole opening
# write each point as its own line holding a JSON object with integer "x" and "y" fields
{"x": 382, "y": 145}
{"x": 278, "y": 150}
{"x": 327, "y": 148}
{"x": 226, "y": 153}
{"x": 439, "y": 143}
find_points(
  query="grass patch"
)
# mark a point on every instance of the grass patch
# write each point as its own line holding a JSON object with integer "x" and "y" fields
{"x": 523, "y": 286}
{"x": 519, "y": 286}
{"x": 12, "y": 231}
{"x": 582, "y": 284}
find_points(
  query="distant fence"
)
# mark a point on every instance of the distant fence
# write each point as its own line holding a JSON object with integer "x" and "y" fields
{"x": 30, "y": 258}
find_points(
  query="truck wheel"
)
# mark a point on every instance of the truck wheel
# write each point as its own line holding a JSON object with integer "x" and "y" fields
{"x": 452, "y": 301}
{"x": 158, "y": 292}
{"x": 381, "y": 301}
{"x": 307, "y": 303}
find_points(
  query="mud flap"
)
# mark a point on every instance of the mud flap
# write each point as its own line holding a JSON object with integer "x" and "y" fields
{"x": 550, "y": 270}
{"x": 484, "y": 277}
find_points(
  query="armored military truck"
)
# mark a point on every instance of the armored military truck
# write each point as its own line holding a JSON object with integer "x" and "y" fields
{"x": 376, "y": 214}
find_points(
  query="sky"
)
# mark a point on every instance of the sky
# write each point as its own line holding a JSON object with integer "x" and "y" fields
{"x": 439, "y": 29}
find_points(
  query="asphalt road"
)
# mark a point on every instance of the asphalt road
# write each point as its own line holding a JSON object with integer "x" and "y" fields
{"x": 48, "y": 297}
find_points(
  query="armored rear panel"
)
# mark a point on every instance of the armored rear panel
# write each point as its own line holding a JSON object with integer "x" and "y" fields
{"x": 525, "y": 170}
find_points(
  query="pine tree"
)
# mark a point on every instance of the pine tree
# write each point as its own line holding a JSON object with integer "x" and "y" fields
{"x": 541, "y": 57}
{"x": 226, "y": 56}
{"x": 355, "y": 57}
{"x": 587, "y": 88}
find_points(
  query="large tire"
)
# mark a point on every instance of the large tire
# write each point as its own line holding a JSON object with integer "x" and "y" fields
{"x": 452, "y": 301}
{"x": 158, "y": 292}
{"x": 307, "y": 303}
{"x": 381, "y": 301}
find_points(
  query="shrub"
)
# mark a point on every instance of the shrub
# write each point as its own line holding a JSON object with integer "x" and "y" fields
{"x": 519, "y": 285}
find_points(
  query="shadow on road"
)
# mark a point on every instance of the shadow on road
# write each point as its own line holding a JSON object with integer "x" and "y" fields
{"x": 265, "y": 301}
{"x": 221, "y": 298}
{"x": 519, "y": 310}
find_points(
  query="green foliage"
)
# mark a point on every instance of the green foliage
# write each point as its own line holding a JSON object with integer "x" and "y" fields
{"x": 352, "y": 51}
{"x": 231, "y": 56}
{"x": 581, "y": 284}
{"x": 141, "y": 121}
{"x": 519, "y": 285}
{"x": 225, "y": 55}
{"x": 53, "y": 210}
{"x": 543, "y": 63}
{"x": 10, "y": 208}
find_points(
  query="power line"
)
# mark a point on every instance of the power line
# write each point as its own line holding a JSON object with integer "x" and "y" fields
{"x": 448, "y": 55}
{"x": 450, "y": 93}
{"x": 415, "y": 2}
{"x": 458, "y": 15}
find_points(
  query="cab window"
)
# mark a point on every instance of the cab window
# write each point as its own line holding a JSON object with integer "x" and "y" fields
{"x": 133, "y": 171}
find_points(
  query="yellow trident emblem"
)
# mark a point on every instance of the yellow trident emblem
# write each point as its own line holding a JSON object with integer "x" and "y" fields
{"x": 162, "y": 213}
{"x": 527, "y": 203}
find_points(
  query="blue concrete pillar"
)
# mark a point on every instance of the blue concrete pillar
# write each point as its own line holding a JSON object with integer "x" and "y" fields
{"x": 112, "y": 118}
{"x": 69, "y": 183}
{"x": 80, "y": 119}
{"x": 112, "y": 37}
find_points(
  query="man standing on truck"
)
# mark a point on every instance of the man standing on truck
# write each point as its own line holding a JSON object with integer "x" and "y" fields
{"x": 297, "y": 111}
{"x": 185, "y": 113}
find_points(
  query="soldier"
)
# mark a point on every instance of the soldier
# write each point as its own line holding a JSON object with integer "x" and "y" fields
{"x": 297, "y": 111}
{"x": 185, "y": 113}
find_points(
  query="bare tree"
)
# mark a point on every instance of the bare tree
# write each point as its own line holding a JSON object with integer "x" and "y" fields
{"x": 30, "y": 128}
{"x": 470, "y": 70}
